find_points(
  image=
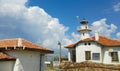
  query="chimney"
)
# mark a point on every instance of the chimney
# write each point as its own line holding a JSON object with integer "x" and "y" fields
{"x": 19, "y": 42}
{"x": 96, "y": 35}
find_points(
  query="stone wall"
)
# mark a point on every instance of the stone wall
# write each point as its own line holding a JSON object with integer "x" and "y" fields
{"x": 88, "y": 66}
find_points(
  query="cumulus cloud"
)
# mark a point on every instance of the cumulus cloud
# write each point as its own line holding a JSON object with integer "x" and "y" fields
{"x": 31, "y": 23}
{"x": 75, "y": 37}
{"x": 118, "y": 35}
{"x": 103, "y": 28}
{"x": 116, "y": 7}
{"x": 34, "y": 24}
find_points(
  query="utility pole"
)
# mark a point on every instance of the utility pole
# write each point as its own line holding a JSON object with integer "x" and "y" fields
{"x": 59, "y": 43}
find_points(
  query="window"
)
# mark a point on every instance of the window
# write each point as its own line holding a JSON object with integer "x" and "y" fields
{"x": 85, "y": 44}
{"x": 73, "y": 55}
{"x": 83, "y": 34}
{"x": 88, "y": 55}
{"x": 114, "y": 56}
{"x": 95, "y": 56}
{"x": 89, "y": 43}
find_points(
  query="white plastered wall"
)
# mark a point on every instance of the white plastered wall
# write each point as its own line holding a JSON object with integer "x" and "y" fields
{"x": 6, "y": 65}
{"x": 81, "y": 48}
{"x": 27, "y": 60}
{"x": 107, "y": 55}
{"x": 69, "y": 55}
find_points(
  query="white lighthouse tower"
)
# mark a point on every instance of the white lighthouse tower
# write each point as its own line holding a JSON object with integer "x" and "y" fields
{"x": 84, "y": 29}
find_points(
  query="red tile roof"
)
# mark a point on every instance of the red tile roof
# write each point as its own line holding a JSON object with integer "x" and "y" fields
{"x": 4, "y": 56}
{"x": 70, "y": 45}
{"x": 105, "y": 41}
{"x": 18, "y": 42}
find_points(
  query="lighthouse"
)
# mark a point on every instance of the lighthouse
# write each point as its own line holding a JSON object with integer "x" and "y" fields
{"x": 84, "y": 29}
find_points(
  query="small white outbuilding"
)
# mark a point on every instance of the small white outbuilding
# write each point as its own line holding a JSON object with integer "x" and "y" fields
{"x": 97, "y": 48}
{"x": 21, "y": 55}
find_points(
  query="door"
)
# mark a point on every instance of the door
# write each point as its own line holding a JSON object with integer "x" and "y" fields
{"x": 87, "y": 55}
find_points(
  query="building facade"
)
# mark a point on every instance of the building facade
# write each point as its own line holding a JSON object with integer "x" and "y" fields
{"x": 97, "y": 48}
{"x": 22, "y": 55}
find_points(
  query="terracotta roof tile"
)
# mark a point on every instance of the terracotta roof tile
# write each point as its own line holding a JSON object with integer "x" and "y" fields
{"x": 31, "y": 45}
{"x": 70, "y": 45}
{"x": 18, "y": 42}
{"x": 9, "y": 43}
{"x": 105, "y": 41}
{"x": 4, "y": 56}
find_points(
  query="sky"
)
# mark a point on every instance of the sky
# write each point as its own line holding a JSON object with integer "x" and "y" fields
{"x": 46, "y": 22}
{"x": 92, "y": 10}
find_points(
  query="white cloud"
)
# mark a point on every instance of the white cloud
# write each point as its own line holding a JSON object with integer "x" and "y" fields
{"x": 118, "y": 35}
{"x": 103, "y": 27}
{"x": 32, "y": 23}
{"x": 75, "y": 37}
{"x": 116, "y": 7}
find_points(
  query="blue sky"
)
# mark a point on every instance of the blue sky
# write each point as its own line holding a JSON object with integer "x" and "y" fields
{"x": 92, "y": 10}
{"x": 46, "y": 22}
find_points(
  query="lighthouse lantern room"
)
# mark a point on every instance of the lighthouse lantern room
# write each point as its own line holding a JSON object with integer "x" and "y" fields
{"x": 84, "y": 29}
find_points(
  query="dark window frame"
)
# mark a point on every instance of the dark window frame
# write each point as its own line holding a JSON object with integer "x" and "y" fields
{"x": 87, "y": 55}
{"x": 83, "y": 34}
{"x": 114, "y": 57}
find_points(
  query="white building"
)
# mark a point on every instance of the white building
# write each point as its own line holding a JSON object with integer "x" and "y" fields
{"x": 97, "y": 48}
{"x": 21, "y": 55}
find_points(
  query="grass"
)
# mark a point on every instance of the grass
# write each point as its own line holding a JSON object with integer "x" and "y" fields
{"x": 52, "y": 68}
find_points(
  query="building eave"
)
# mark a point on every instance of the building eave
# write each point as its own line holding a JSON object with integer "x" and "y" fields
{"x": 26, "y": 48}
{"x": 21, "y": 44}
{"x": 6, "y": 57}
